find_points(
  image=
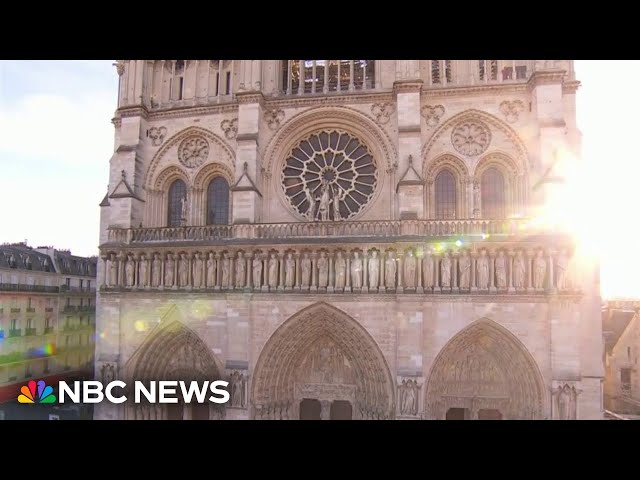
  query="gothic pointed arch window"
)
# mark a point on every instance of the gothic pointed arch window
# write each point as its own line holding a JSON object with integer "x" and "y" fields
{"x": 445, "y": 195}
{"x": 177, "y": 191}
{"x": 218, "y": 202}
{"x": 324, "y": 76}
{"x": 493, "y": 194}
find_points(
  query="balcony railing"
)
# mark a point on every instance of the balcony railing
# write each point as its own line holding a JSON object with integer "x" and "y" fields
{"x": 69, "y": 309}
{"x": 15, "y": 310}
{"x": 48, "y": 309}
{"x": 15, "y": 332}
{"x": 48, "y": 330}
{"x": 76, "y": 289}
{"x": 87, "y": 308}
{"x": 28, "y": 332}
{"x": 301, "y": 230}
{"x": 31, "y": 310}
{"x": 15, "y": 287}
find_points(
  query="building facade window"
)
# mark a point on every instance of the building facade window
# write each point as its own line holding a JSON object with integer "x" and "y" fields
{"x": 177, "y": 192}
{"x": 218, "y": 202}
{"x": 324, "y": 76}
{"x": 492, "y": 189}
{"x": 445, "y": 195}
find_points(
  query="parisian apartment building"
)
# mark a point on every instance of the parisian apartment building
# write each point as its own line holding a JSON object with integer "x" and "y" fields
{"x": 347, "y": 239}
{"x": 47, "y": 320}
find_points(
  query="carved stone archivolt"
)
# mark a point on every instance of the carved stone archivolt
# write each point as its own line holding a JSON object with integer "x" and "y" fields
{"x": 230, "y": 128}
{"x": 193, "y": 151}
{"x": 382, "y": 112}
{"x": 157, "y": 135}
{"x": 321, "y": 353}
{"x": 511, "y": 109}
{"x": 485, "y": 367}
{"x": 432, "y": 114}
{"x": 471, "y": 138}
{"x": 329, "y": 175}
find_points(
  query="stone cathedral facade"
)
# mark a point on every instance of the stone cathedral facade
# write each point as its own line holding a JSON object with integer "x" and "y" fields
{"x": 346, "y": 239}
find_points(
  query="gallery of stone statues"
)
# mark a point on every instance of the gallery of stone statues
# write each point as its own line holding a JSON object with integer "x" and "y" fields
{"x": 346, "y": 239}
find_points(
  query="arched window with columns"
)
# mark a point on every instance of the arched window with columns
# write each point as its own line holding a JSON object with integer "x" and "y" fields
{"x": 177, "y": 191}
{"x": 445, "y": 195}
{"x": 492, "y": 188}
{"x": 218, "y": 202}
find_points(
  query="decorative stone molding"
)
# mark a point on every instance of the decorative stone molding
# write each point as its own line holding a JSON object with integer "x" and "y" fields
{"x": 511, "y": 109}
{"x": 157, "y": 134}
{"x": 209, "y": 171}
{"x": 329, "y": 100}
{"x": 471, "y": 138}
{"x": 382, "y": 112}
{"x": 274, "y": 118}
{"x": 230, "y": 128}
{"x": 432, "y": 114}
{"x": 434, "y": 167}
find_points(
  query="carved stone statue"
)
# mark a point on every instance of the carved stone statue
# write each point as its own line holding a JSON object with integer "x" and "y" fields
{"x": 241, "y": 271}
{"x": 427, "y": 270}
{"x": 290, "y": 270}
{"x": 519, "y": 270}
{"x": 356, "y": 271}
{"x": 226, "y": 270}
{"x": 169, "y": 271}
{"x": 539, "y": 270}
{"x": 184, "y": 270}
{"x": 409, "y": 397}
{"x": 257, "y": 271}
{"x": 501, "y": 270}
{"x": 562, "y": 263}
{"x": 237, "y": 389}
{"x": 312, "y": 204}
{"x": 323, "y": 270}
{"x": 374, "y": 270}
{"x": 338, "y": 196}
{"x": 143, "y": 275}
{"x": 445, "y": 271}
{"x": 156, "y": 271}
{"x": 128, "y": 270}
{"x": 341, "y": 270}
{"x": 325, "y": 201}
{"x": 183, "y": 210}
{"x": 197, "y": 271}
{"x": 565, "y": 402}
{"x": 390, "y": 271}
{"x": 483, "y": 270}
{"x": 273, "y": 271}
{"x": 464, "y": 264}
{"x": 306, "y": 270}
{"x": 113, "y": 271}
{"x": 211, "y": 271}
{"x": 409, "y": 270}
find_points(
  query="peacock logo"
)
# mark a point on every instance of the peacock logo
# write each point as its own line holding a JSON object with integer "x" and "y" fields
{"x": 28, "y": 395}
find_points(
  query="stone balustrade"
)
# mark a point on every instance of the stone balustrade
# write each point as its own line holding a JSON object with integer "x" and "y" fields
{"x": 410, "y": 267}
{"x": 288, "y": 231}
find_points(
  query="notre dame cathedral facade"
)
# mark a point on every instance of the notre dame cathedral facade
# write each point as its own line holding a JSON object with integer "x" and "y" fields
{"x": 346, "y": 239}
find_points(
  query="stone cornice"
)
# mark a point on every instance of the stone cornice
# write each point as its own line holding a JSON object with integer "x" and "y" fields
{"x": 132, "y": 111}
{"x": 250, "y": 97}
{"x": 546, "y": 78}
{"x": 407, "y": 86}
{"x": 330, "y": 99}
{"x": 471, "y": 90}
{"x": 571, "y": 87}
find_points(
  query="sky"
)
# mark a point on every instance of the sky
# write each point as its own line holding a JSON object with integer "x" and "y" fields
{"x": 56, "y": 139}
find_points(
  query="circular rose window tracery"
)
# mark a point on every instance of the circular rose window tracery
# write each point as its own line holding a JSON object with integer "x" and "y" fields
{"x": 471, "y": 138}
{"x": 193, "y": 151}
{"x": 329, "y": 175}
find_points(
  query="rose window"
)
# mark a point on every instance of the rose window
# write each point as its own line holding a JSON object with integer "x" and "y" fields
{"x": 330, "y": 175}
{"x": 193, "y": 151}
{"x": 471, "y": 138}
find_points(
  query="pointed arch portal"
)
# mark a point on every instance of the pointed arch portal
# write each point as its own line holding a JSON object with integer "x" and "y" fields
{"x": 322, "y": 355}
{"x": 484, "y": 372}
{"x": 173, "y": 352}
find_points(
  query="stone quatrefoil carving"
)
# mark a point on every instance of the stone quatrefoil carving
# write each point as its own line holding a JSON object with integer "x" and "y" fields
{"x": 230, "y": 128}
{"x": 157, "y": 135}
{"x": 274, "y": 118}
{"x": 471, "y": 138}
{"x": 511, "y": 110}
{"x": 330, "y": 175}
{"x": 193, "y": 151}
{"x": 432, "y": 114}
{"x": 382, "y": 112}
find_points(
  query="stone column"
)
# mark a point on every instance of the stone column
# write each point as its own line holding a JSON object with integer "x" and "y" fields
{"x": 248, "y": 277}
{"x": 419, "y": 288}
{"x": 382, "y": 281}
{"x": 176, "y": 262}
{"x": 122, "y": 258}
{"x": 551, "y": 288}
{"x": 400, "y": 272}
{"x": 105, "y": 269}
{"x": 529, "y": 255}
{"x": 314, "y": 273}
{"x": 454, "y": 274}
{"x": 510, "y": 256}
{"x": 298, "y": 281}
{"x": 347, "y": 273}
{"x": 265, "y": 272}
{"x": 492, "y": 271}
{"x": 365, "y": 272}
{"x": 332, "y": 281}
{"x": 436, "y": 273}
{"x": 473, "y": 281}
{"x": 217, "y": 257}
{"x": 163, "y": 261}
{"x": 191, "y": 258}
{"x": 281, "y": 258}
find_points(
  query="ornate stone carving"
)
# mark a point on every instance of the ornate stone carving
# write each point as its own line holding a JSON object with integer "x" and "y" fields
{"x": 129, "y": 271}
{"x": 230, "y": 128}
{"x": 539, "y": 270}
{"x": 257, "y": 271}
{"x": 341, "y": 270}
{"x": 274, "y": 118}
{"x": 108, "y": 373}
{"x": 562, "y": 263}
{"x": 169, "y": 271}
{"x": 382, "y": 112}
{"x": 226, "y": 271}
{"x": 290, "y": 270}
{"x": 198, "y": 265}
{"x": 428, "y": 270}
{"x": 143, "y": 278}
{"x": 193, "y": 151}
{"x": 241, "y": 271}
{"x": 445, "y": 271}
{"x": 333, "y": 169}
{"x": 409, "y": 270}
{"x": 323, "y": 270}
{"x": 374, "y": 270}
{"x": 464, "y": 264}
{"x": 501, "y": 270}
{"x": 483, "y": 270}
{"x": 183, "y": 270}
{"x": 156, "y": 273}
{"x": 273, "y": 271}
{"x": 565, "y": 402}
{"x": 476, "y": 199}
{"x": 237, "y": 390}
{"x": 306, "y": 270}
{"x": 432, "y": 114}
{"x": 519, "y": 271}
{"x": 356, "y": 271}
{"x": 511, "y": 109}
{"x": 408, "y": 397}
{"x": 157, "y": 135}
{"x": 471, "y": 138}
{"x": 390, "y": 268}
{"x": 211, "y": 271}
{"x": 113, "y": 271}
